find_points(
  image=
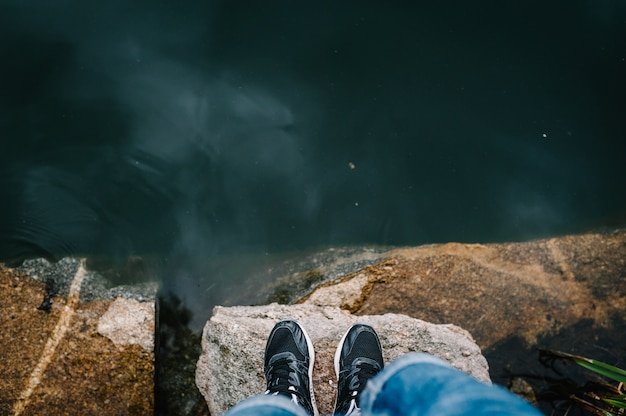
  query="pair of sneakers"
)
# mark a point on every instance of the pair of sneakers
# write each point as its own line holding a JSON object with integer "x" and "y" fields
{"x": 289, "y": 358}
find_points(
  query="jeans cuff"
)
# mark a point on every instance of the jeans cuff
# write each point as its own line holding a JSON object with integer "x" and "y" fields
{"x": 266, "y": 405}
{"x": 375, "y": 385}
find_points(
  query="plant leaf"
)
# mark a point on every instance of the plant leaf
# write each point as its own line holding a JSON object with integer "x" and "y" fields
{"x": 604, "y": 369}
{"x": 619, "y": 401}
{"x": 590, "y": 407}
{"x": 599, "y": 367}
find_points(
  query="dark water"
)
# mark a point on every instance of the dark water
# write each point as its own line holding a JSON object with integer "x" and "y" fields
{"x": 211, "y": 133}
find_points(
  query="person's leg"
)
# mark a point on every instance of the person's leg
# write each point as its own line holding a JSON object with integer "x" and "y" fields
{"x": 424, "y": 385}
{"x": 267, "y": 405}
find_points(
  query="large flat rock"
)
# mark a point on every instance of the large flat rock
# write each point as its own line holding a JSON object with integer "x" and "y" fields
{"x": 495, "y": 291}
{"x": 230, "y": 368}
{"x": 87, "y": 350}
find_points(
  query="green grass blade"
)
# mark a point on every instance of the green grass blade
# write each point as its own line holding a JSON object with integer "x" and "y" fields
{"x": 619, "y": 401}
{"x": 590, "y": 407}
{"x": 599, "y": 367}
{"x": 604, "y": 369}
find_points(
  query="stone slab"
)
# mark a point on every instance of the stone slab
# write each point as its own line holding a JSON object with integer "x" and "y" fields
{"x": 54, "y": 360}
{"x": 230, "y": 368}
{"x": 495, "y": 291}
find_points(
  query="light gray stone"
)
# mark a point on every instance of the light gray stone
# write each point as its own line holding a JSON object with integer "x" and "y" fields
{"x": 230, "y": 368}
{"x": 128, "y": 321}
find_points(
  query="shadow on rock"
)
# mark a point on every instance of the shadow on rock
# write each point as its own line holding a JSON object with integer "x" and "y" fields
{"x": 178, "y": 350}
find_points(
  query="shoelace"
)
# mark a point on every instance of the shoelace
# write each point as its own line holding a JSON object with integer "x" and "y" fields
{"x": 356, "y": 380}
{"x": 283, "y": 379}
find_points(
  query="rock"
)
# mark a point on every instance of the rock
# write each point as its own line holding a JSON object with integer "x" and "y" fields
{"x": 259, "y": 279}
{"x": 521, "y": 387}
{"x": 511, "y": 297}
{"x": 127, "y": 322}
{"x": 230, "y": 368}
{"x": 55, "y": 362}
{"x": 495, "y": 291}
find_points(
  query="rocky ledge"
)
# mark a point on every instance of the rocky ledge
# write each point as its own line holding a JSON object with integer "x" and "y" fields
{"x": 72, "y": 344}
{"x": 495, "y": 291}
{"x": 73, "y": 341}
{"x": 566, "y": 293}
{"x": 230, "y": 368}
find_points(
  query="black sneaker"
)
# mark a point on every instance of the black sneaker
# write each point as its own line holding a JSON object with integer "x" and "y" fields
{"x": 288, "y": 368}
{"x": 359, "y": 357}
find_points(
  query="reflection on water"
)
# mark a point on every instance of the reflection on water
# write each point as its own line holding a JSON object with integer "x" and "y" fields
{"x": 217, "y": 128}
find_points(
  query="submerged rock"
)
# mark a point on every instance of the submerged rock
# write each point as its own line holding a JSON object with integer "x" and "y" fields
{"x": 230, "y": 368}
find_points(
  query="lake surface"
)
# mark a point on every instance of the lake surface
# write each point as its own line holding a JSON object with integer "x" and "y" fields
{"x": 211, "y": 130}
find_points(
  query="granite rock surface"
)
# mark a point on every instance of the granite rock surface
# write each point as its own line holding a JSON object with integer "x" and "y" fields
{"x": 230, "y": 368}
{"x": 55, "y": 361}
{"x": 495, "y": 291}
{"x": 567, "y": 293}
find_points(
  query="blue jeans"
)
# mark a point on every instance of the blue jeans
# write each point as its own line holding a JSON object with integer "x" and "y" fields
{"x": 414, "y": 384}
